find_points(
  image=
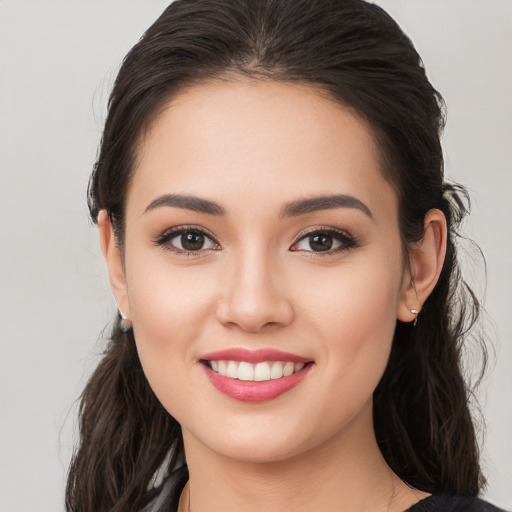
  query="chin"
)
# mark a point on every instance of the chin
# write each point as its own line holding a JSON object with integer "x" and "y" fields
{"x": 260, "y": 440}
{"x": 258, "y": 450}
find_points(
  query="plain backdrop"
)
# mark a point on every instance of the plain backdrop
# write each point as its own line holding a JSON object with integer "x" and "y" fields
{"x": 57, "y": 63}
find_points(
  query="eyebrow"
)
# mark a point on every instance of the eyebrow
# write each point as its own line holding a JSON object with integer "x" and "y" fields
{"x": 194, "y": 203}
{"x": 292, "y": 209}
{"x": 330, "y": 202}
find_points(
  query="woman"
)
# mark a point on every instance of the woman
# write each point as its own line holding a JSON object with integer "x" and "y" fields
{"x": 281, "y": 244}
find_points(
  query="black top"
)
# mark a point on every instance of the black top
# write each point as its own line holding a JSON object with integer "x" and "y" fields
{"x": 166, "y": 499}
{"x": 447, "y": 503}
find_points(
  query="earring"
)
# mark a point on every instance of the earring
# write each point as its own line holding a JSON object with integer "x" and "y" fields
{"x": 126, "y": 324}
{"x": 415, "y": 312}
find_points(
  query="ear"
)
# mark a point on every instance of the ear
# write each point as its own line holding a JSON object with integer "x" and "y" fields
{"x": 114, "y": 261}
{"x": 426, "y": 259}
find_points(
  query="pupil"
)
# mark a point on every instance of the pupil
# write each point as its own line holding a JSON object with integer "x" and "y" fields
{"x": 192, "y": 241}
{"x": 320, "y": 242}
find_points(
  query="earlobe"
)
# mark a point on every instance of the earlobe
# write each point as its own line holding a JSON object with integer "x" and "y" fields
{"x": 114, "y": 261}
{"x": 426, "y": 259}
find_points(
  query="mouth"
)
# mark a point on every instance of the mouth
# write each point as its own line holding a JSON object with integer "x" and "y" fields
{"x": 255, "y": 376}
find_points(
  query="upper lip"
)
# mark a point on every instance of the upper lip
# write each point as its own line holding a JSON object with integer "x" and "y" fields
{"x": 253, "y": 355}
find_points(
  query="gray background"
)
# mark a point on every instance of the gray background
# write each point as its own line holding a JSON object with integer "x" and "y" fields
{"x": 57, "y": 62}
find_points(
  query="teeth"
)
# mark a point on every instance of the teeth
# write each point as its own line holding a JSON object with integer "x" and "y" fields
{"x": 277, "y": 370}
{"x": 288, "y": 369}
{"x": 232, "y": 370}
{"x": 262, "y": 372}
{"x": 245, "y": 371}
{"x": 255, "y": 372}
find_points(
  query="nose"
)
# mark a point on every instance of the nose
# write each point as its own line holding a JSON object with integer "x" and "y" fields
{"x": 254, "y": 295}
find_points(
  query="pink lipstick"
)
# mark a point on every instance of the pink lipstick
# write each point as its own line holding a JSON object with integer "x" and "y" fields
{"x": 254, "y": 356}
{"x": 255, "y": 375}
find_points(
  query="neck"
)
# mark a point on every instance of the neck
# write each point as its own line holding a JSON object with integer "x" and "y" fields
{"x": 347, "y": 472}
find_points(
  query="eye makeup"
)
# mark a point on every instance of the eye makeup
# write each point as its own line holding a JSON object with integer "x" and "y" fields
{"x": 191, "y": 238}
{"x": 327, "y": 240}
{"x": 196, "y": 241}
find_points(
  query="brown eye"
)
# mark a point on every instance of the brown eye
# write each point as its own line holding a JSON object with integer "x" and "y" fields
{"x": 191, "y": 241}
{"x": 187, "y": 240}
{"x": 320, "y": 242}
{"x": 324, "y": 241}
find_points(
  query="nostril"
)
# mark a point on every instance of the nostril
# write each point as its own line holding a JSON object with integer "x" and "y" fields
{"x": 252, "y": 304}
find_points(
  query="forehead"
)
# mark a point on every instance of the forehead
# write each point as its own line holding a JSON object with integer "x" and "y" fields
{"x": 261, "y": 140}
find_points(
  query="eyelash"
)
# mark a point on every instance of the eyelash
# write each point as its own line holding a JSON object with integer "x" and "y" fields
{"x": 167, "y": 236}
{"x": 347, "y": 241}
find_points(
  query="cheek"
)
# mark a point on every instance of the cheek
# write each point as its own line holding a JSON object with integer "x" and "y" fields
{"x": 169, "y": 307}
{"x": 354, "y": 314}
{"x": 356, "y": 297}
{"x": 166, "y": 297}
{"x": 354, "y": 318}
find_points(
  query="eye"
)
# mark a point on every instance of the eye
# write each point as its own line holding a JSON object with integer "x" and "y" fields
{"x": 187, "y": 240}
{"x": 327, "y": 240}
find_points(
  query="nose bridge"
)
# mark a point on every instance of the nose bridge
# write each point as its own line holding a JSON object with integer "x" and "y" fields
{"x": 253, "y": 275}
{"x": 253, "y": 296}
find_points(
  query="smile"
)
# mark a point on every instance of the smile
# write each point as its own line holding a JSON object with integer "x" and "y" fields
{"x": 255, "y": 375}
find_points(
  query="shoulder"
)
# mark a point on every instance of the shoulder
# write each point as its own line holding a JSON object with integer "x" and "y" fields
{"x": 447, "y": 503}
{"x": 166, "y": 497}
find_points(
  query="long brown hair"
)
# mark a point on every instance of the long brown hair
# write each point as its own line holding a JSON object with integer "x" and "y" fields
{"x": 357, "y": 55}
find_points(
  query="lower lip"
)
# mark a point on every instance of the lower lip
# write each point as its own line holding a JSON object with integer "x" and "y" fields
{"x": 255, "y": 391}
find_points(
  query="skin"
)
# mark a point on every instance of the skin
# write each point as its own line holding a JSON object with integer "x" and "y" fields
{"x": 252, "y": 147}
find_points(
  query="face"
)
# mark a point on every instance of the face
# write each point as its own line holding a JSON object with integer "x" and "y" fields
{"x": 263, "y": 268}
